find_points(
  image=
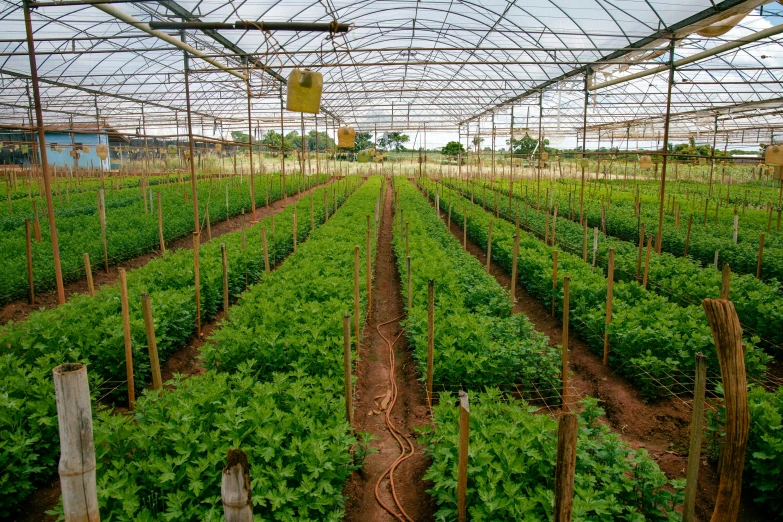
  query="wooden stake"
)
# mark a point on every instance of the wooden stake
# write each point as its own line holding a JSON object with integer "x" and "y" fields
{"x": 347, "y": 374}
{"x": 368, "y": 269}
{"x": 127, "y": 336}
{"x": 356, "y": 295}
{"x": 489, "y": 245}
{"x": 465, "y": 230}
{"x": 564, "y": 354}
{"x": 197, "y": 281}
{"x": 639, "y": 256}
{"x": 761, "y": 255}
{"x": 727, "y": 334}
{"x": 266, "y": 251}
{"x": 725, "y": 281}
{"x": 410, "y": 291}
{"x": 595, "y": 244}
{"x": 235, "y": 488}
{"x": 688, "y": 235}
{"x": 609, "y": 287}
{"x": 584, "y": 242}
{"x": 295, "y": 230}
{"x": 29, "y": 251}
{"x": 694, "y": 451}
{"x": 36, "y": 223}
{"x": 565, "y": 466}
{"x": 514, "y": 261}
{"x": 77, "y": 452}
{"x": 149, "y": 328}
{"x": 224, "y": 258}
{"x": 430, "y": 338}
{"x": 647, "y": 262}
{"x": 462, "y": 460}
{"x": 88, "y": 273}
{"x": 160, "y": 227}
{"x": 102, "y": 213}
{"x": 554, "y": 279}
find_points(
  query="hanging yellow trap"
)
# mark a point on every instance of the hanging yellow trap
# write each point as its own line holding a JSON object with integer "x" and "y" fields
{"x": 346, "y": 137}
{"x": 774, "y": 155}
{"x": 645, "y": 162}
{"x": 102, "y": 151}
{"x": 304, "y": 91}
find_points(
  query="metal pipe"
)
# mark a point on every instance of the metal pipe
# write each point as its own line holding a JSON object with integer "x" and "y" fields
{"x": 728, "y": 46}
{"x": 246, "y": 25}
{"x": 138, "y": 24}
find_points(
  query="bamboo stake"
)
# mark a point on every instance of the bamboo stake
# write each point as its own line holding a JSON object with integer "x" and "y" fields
{"x": 266, "y": 251}
{"x": 727, "y": 334}
{"x": 37, "y": 223}
{"x": 160, "y": 227}
{"x": 410, "y": 291}
{"x": 430, "y": 338}
{"x": 595, "y": 244}
{"x": 489, "y": 245}
{"x": 235, "y": 487}
{"x": 564, "y": 354}
{"x": 294, "y": 230}
{"x": 77, "y": 452}
{"x": 152, "y": 345}
{"x": 102, "y": 213}
{"x": 761, "y": 255}
{"x": 88, "y": 273}
{"x": 609, "y": 287}
{"x": 688, "y": 235}
{"x": 694, "y": 451}
{"x": 462, "y": 461}
{"x": 356, "y": 295}
{"x": 554, "y": 279}
{"x": 224, "y": 258}
{"x": 639, "y": 256}
{"x": 368, "y": 269}
{"x": 584, "y": 242}
{"x": 29, "y": 252}
{"x": 127, "y": 336}
{"x": 647, "y": 262}
{"x": 347, "y": 374}
{"x": 565, "y": 466}
{"x": 514, "y": 261}
{"x": 197, "y": 282}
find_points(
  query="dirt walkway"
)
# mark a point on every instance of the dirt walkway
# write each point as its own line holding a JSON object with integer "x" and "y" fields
{"x": 409, "y": 411}
{"x": 19, "y": 309}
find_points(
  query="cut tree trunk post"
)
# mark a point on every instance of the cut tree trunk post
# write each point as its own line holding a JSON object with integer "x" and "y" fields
{"x": 565, "y": 466}
{"x": 152, "y": 344}
{"x": 609, "y": 287}
{"x": 727, "y": 334}
{"x": 564, "y": 354}
{"x": 347, "y": 368}
{"x": 430, "y": 338}
{"x": 77, "y": 453}
{"x": 29, "y": 252}
{"x": 462, "y": 461}
{"x": 694, "y": 451}
{"x": 127, "y": 337}
{"x": 235, "y": 488}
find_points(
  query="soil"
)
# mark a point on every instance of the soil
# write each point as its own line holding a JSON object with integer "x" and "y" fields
{"x": 409, "y": 412}
{"x": 661, "y": 427}
{"x": 19, "y": 309}
{"x": 184, "y": 361}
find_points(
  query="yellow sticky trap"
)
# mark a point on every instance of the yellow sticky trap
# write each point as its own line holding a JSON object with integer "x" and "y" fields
{"x": 304, "y": 91}
{"x": 346, "y": 137}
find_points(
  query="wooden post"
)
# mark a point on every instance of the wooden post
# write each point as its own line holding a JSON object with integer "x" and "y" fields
{"x": 595, "y": 244}
{"x": 554, "y": 279}
{"x": 694, "y": 451}
{"x": 102, "y": 215}
{"x": 326, "y": 205}
{"x": 761, "y": 255}
{"x": 160, "y": 227}
{"x": 127, "y": 336}
{"x": 77, "y": 452}
{"x": 725, "y": 281}
{"x": 584, "y": 242}
{"x": 430, "y": 338}
{"x": 727, "y": 334}
{"x": 639, "y": 256}
{"x": 514, "y": 260}
{"x": 347, "y": 374}
{"x": 294, "y": 230}
{"x": 224, "y": 258}
{"x": 448, "y": 225}
{"x": 609, "y": 287}
{"x": 489, "y": 245}
{"x": 235, "y": 487}
{"x": 465, "y": 230}
{"x": 565, "y": 466}
{"x": 688, "y": 234}
{"x": 88, "y": 273}
{"x": 462, "y": 460}
{"x": 647, "y": 262}
{"x": 197, "y": 281}
{"x": 266, "y": 251}
{"x": 152, "y": 344}
{"x": 36, "y": 223}
{"x": 312, "y": 213}
{"x": 356, "y": 295}
{"x": 368, "y": 269}
{"x": 29, "y": 251}
{"x": 564, "y": 354}
{"x": 410, "y": 291}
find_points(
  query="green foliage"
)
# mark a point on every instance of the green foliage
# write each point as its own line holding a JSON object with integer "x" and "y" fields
{"x": 478, "y": 342}
{"x": 511, "y": 466}
{"x": 453, "y": 149}
{"x": 525, "y": 145}
{"x": 393, "y": 141}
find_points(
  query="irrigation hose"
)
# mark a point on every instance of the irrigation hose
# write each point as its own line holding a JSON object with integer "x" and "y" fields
{"x": 396, "y": 433}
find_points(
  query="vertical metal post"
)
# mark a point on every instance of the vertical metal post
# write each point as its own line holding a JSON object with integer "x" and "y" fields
{"x": 667, "y": 119}
{"x": 58, "y": 274}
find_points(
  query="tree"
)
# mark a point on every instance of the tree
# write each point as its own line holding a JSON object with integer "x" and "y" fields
{"x": 271, "y": 139}
{"x": 393, "y": 141}
{"x": 525, "y": 146}
{"x": 453, "y": 149}
{"x": 239, "y": 136}
{"x": 324, "y": 141}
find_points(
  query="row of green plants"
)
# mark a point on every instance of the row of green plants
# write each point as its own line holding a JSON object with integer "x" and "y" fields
{"x": 681, "y": 279}
{"x": 652, "y": 339}
{"x": 273, "y": 388}
{"x": 764, "y": 462}
{"x": 478, "y": 341}
{"x": 479, "y": 344}
{"x": 89, "y": 329}
{"x": 129, "y": 231}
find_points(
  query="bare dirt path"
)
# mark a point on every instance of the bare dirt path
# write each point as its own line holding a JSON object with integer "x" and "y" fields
{"x": 661, "y": 427}
{"x": 409, "y": 411}
{"x": 19, "y": 309}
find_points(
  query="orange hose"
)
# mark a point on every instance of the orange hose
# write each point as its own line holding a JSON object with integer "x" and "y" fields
{"x": 397, "y": 434}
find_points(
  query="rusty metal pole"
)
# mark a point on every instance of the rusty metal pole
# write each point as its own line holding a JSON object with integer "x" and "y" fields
{"x": 58, "y": 274}
{"x": 667, "y": 119}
